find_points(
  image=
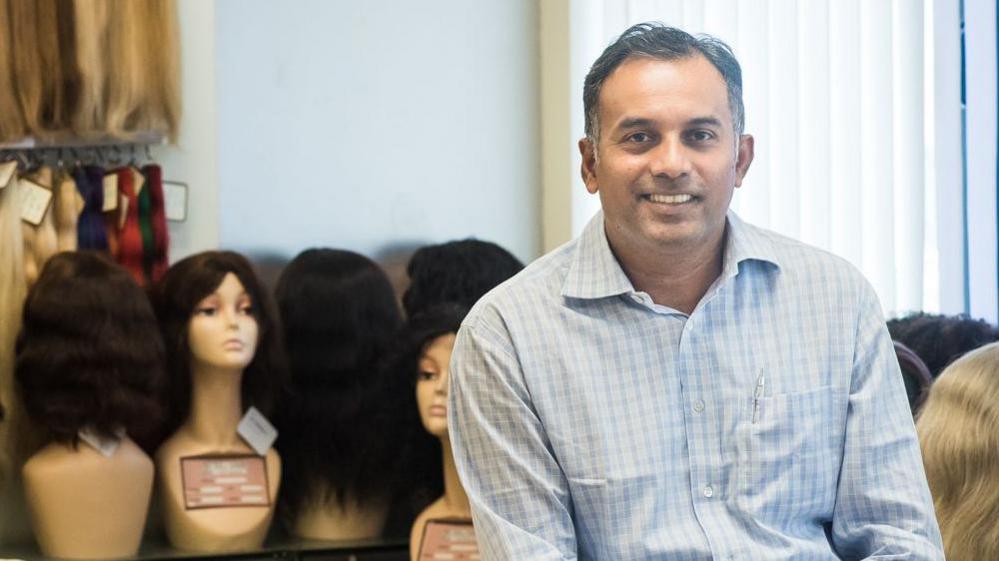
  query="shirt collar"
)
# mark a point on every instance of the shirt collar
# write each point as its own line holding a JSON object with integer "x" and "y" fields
{"x": 594, "y": 272}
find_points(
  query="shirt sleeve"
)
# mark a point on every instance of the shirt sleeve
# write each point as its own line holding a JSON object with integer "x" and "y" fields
{"x": 519, "y": 496}
{"x": 883, "y": 505}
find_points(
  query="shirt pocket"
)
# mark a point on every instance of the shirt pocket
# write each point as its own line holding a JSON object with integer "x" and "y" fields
{"x": 790, "y": 452}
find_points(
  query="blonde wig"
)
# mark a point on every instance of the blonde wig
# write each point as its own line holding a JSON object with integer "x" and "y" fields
{"x": 959, "y": 434}
{"x": 163, "y": 104}
{"x": 38, "y": 71}
{"x": 12, "y": 124}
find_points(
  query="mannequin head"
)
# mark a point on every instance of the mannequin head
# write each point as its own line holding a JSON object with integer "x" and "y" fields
{"x": 458, "y": 272}
{"x": 339, "y": 316}
{"x": 186, "y": 301}
{"x": 89, "y": 353}
{"x": 432, "y": 383}
{"x": 958, "y": 429}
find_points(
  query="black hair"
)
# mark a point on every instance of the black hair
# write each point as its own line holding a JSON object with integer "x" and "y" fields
{"x": 340, "y": 317}
{"x": 175, "y": 297}
{"x": 89, "y": 354}
{"x": 458, "y": 272}
{"x": 915, "y": 375}
{"x": 940, "y": 340}
{"x": 656, "y": 40}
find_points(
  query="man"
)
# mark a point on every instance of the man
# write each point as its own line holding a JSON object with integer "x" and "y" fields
{"x": 675, "y": 383}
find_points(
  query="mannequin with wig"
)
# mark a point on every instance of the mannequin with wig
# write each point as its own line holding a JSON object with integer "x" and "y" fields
{"x": 424, "y": 358}
{"x": 958, "y": 429}
{"x": 336, "y": 424}
{"x": 224, "y": 354}
{"x": 89, "y": 361}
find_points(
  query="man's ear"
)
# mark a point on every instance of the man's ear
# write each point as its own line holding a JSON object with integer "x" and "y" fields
{"x": 744, "y": 157}
{"x": 588, "y": 149}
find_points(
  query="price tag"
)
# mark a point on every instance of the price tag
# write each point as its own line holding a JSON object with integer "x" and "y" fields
{"x": 175, "y": 201}
{"x": 448, "y": 539}
{"x": 34, "y": 201}
{"x": 7, "y": 170}
{"x": 257, "y": 431}
{"x": 106, "y": 446}
{"x": 237, "y": 480}
{"x": 110, "y": 192}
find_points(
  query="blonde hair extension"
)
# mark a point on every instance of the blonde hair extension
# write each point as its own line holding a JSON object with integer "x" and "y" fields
{"x": 12, "y": 124}
{"x": 66, "y": 207}
{"x": 46, "y": 239}
{"x": 27, "y": 67}
{"x": 126, "y": 74}
{"x": 12, "y": 293}
{"x": 959, "y": 435}
{"x": 91, "y": 34}
{"x": 163, "y": 46}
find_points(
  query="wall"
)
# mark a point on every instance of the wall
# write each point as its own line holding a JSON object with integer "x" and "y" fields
{"x": 370, "y": 125}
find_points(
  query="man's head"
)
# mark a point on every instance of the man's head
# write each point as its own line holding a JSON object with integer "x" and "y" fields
{"x": 664, "y": 148}
{"x": 655, "y": 40}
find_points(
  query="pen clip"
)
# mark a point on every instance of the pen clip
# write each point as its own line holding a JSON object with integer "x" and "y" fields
{"x": 760, "y": 385}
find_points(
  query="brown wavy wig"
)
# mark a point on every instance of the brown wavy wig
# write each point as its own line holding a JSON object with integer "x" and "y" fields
{"x": 89, "y": 353}
{"x": 175, "y": 297}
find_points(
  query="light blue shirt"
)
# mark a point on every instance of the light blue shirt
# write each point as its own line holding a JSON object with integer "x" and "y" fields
{"x": 589, "y": 422}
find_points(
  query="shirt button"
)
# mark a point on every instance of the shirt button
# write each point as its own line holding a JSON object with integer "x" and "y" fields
{"x": 698, "y": 406}
{"x": 708, "y": 492}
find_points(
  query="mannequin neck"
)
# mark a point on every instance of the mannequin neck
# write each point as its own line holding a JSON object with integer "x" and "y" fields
{"x": 216, "y": 406}
{"x": 455, "y": 498}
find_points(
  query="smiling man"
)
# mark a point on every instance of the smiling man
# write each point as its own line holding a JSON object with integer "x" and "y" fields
{"x": 675, "y": 383}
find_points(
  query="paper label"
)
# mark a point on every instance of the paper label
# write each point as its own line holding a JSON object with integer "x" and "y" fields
{"x": 110, "y": 192}
{"x": 237, "y": 480}
{"x": 106, "y": 446}
{"x": 453, "y": 540}
{"x": 7, "y": 170}
{"x": 175, "y": 201}
{"x": 34, "y": 201}
{"x": 257, "y": 431}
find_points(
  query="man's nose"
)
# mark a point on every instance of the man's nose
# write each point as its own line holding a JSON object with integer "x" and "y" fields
{"x": 669, "y": 159}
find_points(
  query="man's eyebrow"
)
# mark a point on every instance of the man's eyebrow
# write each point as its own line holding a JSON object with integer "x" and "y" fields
{"x": 704, "y": 121}
{"x": 635, "y": 122}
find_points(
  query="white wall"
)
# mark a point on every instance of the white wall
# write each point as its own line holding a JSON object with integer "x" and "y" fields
{"x": 361, "y": 125}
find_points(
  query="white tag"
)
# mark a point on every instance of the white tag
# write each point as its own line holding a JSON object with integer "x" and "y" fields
{"x": 34, "y": 201}
{"x": 257, "y": 431}
{"x": 110, "y": 192}
{"x": 7, "y": 170}
{"x": 106, "y": 446}
{"x": 175, "y": 201}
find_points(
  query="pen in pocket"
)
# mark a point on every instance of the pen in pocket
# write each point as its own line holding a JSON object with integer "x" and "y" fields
{"x": 760, "y": 383}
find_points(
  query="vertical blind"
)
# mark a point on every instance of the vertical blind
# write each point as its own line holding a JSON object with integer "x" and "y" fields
{"x": 842, "y": 99}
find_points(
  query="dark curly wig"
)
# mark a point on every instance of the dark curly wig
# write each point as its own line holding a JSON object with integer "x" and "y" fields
{"x": 458, "y": 272}
{"x": 940, "y": 340}
{"x": 340, "y": 317}
{"x": 183, "y": 286}
{"x": 421, "y": 477}
{"x": 89, "y": 353}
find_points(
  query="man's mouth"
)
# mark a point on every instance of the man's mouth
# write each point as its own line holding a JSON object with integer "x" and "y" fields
{"x": 669, "y": 199}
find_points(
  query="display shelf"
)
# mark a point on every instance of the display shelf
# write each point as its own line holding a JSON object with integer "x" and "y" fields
{"x": 285, "y": 550}
{"x": 61, "y": 141}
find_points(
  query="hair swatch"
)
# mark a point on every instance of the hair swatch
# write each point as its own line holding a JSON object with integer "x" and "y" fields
{"x": 91, "y": 18}
{"x": 12, "y": 125}
{"x": 12, "y": 291}
{"x": 130, "y": 236}
{"x": 91, "y": 231}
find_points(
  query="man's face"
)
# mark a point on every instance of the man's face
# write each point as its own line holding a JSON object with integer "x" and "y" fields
{"x": 667, "y": 159}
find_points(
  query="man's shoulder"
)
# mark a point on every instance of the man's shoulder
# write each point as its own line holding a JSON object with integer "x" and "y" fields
{"x": 531, "y": 290}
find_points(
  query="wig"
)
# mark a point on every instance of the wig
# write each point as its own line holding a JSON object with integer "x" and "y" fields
{"x": 915, "y": 375}
{"x": 89, "y": 353}
{"x": 421, "y": 479}
{"x": 959, "y": 435}
{"x": 340, "y": 318}
{"x": 457, "y": 272}
{"x": 938, "y": 339}
{"x": 12, "y": 125}
{"x": 91, "y": 18}
{"x": 175, "y": 297}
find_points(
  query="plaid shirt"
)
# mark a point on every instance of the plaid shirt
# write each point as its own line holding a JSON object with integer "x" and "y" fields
{"x": 589, "y": 422}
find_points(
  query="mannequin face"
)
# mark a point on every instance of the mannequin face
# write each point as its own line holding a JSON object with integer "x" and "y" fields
{"x": 222, "y": 332}
{"x": 431, "y": 384}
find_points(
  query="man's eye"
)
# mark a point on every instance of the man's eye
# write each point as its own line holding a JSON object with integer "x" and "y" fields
{"x": 639, "y": 138}
{"x": 700, "y": 136}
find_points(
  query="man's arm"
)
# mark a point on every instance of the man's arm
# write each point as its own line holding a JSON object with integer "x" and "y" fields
{"x": 519, "y": 495}
{"x": 883, "y": 505}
